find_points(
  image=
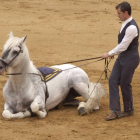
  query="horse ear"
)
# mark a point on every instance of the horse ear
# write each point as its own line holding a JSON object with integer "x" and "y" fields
{"x": 11, "y": 34}
{"x": 24, "y": 38}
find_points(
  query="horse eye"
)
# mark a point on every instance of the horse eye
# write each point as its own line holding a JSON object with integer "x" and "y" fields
{"x": 15, "y": 52}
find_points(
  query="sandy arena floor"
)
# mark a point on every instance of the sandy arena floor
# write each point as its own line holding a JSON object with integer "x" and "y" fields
{"x": 60, "y": 31}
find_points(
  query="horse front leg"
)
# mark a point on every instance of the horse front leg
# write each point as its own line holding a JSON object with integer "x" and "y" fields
{"x": 8, "y": 113}
{"x": 38, "y": 107}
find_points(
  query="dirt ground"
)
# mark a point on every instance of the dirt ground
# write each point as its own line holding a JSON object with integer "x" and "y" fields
{"x": 65, "y": 30}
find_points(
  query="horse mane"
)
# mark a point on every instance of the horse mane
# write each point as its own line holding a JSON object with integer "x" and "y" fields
{"x": 34, "y": 67}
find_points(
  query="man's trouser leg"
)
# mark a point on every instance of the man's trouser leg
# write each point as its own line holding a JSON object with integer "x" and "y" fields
{"x": 126, "y": 88}
{"x": 114, "y": 82}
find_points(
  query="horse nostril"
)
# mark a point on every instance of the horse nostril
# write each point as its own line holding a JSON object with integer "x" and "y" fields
{"x": 1, "y": 67}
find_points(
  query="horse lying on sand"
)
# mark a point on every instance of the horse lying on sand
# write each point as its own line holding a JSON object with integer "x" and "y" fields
{"x": 24, "y": 92}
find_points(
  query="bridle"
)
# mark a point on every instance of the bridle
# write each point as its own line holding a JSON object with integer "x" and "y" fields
{"x": 3, "y": 57}
{"x": 7, "y": 64}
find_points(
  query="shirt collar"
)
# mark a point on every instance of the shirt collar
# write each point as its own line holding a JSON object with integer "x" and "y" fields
{"x": 125, "y": 22}
{"x": 128, "y": 20}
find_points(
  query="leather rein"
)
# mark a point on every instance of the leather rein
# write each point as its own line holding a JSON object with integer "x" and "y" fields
{"x": 46, "y": 94}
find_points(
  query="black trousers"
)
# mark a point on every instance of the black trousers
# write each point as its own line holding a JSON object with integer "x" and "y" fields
{"x": 122, "y": 74}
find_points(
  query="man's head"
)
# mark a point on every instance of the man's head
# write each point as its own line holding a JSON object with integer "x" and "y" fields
{"x": 123, "y": 10}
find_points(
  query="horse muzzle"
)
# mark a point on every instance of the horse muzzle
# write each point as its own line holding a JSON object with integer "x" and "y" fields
{"x": 3, "y": 66}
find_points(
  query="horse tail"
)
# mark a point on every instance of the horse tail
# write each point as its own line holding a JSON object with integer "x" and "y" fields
{"x": 96, "y": 92}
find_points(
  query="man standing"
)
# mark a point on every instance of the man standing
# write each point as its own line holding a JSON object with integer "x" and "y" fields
{"x": 125, "y": 65}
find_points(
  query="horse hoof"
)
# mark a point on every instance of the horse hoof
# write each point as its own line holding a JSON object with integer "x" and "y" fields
{"x": 81, "y": 111}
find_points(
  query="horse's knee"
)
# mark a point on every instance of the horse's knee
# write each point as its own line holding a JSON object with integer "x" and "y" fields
{"x": 37, "y": 110}
{"x": 34, "y": 107}
{"x": 7, "y": 114}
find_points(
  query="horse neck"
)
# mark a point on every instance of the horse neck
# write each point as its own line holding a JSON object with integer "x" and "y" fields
{"x": 25, "y": 66}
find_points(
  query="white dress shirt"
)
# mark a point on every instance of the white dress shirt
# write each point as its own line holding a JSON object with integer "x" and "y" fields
{"x": 130, "y": 33}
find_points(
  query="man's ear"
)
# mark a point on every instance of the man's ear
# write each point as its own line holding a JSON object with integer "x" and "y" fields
{"x": 126, "y": 12}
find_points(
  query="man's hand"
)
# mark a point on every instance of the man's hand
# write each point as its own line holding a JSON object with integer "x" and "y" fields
{"x": 106, "y": 55}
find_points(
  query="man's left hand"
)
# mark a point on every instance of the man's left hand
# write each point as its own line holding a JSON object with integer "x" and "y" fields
{"x": 105, "y": 55}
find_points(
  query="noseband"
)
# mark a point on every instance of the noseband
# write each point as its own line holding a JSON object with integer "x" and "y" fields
{"x": 3, "y": 57}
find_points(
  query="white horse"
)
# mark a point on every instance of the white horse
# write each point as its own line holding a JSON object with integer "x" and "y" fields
{"x": 24, "y": 93}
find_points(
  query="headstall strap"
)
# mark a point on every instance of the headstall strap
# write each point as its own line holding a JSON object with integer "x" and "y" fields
{"x": 3, "y": 61}
{"x": 20, "y": 51}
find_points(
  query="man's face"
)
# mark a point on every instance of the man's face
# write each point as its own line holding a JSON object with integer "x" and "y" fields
{"x": 121, "y": 15}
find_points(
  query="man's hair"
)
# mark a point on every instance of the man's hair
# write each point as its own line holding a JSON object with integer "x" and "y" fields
{"x": 124, "y": 6}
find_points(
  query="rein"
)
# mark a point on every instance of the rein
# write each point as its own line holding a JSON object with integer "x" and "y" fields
{"x": 46, "y": 93}
{"x": 80, "y": 60}
{"x": 105, "y": 70}
{"x": 62, "y": 63}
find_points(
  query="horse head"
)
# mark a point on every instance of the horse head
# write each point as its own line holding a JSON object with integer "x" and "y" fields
{"x": 12, "y": 51}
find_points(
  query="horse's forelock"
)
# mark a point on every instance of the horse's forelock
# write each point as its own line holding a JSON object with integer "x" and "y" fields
{"x": 11, "y": 43}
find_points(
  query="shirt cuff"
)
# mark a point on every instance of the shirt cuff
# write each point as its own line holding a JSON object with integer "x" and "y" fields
{"x": 110, "y": 53}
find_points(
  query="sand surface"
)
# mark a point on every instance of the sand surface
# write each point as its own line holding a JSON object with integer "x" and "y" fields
{"x": 65, "y": 30}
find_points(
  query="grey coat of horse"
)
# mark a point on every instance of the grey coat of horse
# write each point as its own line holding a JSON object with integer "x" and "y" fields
{"x": 24, "y": 94}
